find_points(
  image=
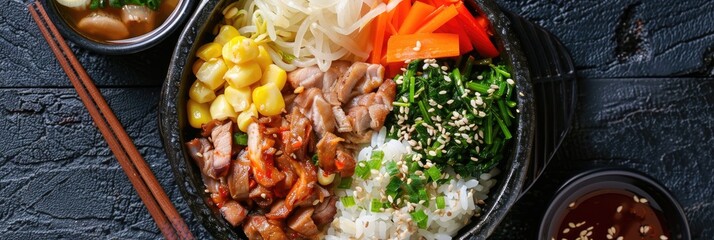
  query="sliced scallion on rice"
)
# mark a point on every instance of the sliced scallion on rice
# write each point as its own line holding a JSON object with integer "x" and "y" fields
{"x": 440, "y": 202}
{"x": 420, "y": 218}
{"x": 347, "y": 201}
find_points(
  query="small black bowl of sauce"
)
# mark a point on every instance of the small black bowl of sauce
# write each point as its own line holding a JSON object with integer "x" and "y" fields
{"x": 613, "y": 204}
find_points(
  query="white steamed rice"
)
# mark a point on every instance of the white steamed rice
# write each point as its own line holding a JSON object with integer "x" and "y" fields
{"x": 358, "y": 222}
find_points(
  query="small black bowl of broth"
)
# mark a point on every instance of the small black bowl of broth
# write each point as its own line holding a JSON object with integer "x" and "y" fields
{"x": 614, "y": 204}
{"x": 118, "y": 26}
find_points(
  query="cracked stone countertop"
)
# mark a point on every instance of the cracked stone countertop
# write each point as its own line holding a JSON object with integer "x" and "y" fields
{"x": 646, "y": 101}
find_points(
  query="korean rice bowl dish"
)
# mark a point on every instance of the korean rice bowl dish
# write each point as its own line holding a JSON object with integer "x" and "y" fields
{"x": 340, "y": 119}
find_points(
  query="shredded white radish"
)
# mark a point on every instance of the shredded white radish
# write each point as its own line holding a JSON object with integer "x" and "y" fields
{"x": 302, "y": 33}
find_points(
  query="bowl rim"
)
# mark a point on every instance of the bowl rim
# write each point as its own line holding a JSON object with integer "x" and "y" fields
{"x": 123, "y": 46}
{"x": 510, "y": 181}
{"x": 636, "y": 180}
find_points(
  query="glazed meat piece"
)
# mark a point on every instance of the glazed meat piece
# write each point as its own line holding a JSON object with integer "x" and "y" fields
{"x": 233, "y": 212}
{"x": 309, "y": 77}
{"x": 345, "y": 162}
{"x": 304, "y": 187}
{"x": 327, "y": 152}
{"x": 238, "y": 178}
{"x": 207, "y": 128}
{"x": 321, "y": 116}
{"x": 301, "y": 222}
{"x": 222, "y": 144}
{"x": 201, "y": 151}
{"x": 262, "y": 164}
{"x": 296, "y": 139}
{"x": 286, "y": 167}
{"x": 343, "y": 123}
{"x": 261, "y": 196}
{"x": 359, "y": 119}
{"x": 348, "y": 80}
{"x": 278, "y": 210}
{"x": 325, "y": 212}
{"x": 264, "y": 228}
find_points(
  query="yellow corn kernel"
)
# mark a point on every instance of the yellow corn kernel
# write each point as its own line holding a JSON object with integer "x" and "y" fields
{"x": 198, "y": 113}
{"x": 247, "y": 117}
{"x": 221, "y": 109}
{"x": 240, "y": 50}
{"x": 274, "y": 74}
{"x": 225, "y": 34}
{"x": 211, "y": 73}
{"x": 209, "y": 50}
{"x": 197, "y": 65}
{"x": 200, "y": 93}
{"x": 263, "y": 58}
{"x": 239, "y": 98}
{"x": 243, "y": 75}
{"x": 268, "y": 99}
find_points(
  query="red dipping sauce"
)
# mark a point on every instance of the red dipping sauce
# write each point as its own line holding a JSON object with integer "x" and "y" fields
{"x": 610, "y": 214}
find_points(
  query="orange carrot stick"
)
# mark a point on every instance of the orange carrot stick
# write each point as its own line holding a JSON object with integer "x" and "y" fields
{"x": 415, "y": 17}
{"x": 440, "y": 19}
{"x": 422, "y": 45}
{"x": 379, "y": 38}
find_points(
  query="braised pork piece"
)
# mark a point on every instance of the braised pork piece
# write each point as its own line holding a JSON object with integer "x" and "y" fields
{"x": 271, "y": 185}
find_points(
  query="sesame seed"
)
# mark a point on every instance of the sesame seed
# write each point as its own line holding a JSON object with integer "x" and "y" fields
{"x": 571, "y": 205}
{"x": 619, "y": 209}
{"x": 566, "y": 230}
{"x": 663, "y": 237}
{"x": 521, "y": 94}
{"x": 636, "y": 198}
{"x": 262, "y": 195}
{"x": 510, "y": 81}
{"x": 479, "y": 77}
{"x": 620, "y": 238}
{"x": 490, "y": 90}
{"x": 418, "y": 47}
{"x": 572, "y": 225}
{"x": 643, "y": 200}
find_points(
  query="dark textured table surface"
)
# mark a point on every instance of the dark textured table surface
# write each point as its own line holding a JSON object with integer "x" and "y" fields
{"x": 646, "y": 101}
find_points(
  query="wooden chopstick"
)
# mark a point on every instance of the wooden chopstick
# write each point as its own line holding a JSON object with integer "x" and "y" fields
{"x": 168, "y": 220}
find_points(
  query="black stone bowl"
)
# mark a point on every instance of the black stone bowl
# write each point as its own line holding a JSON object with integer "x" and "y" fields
{"x": 629, "y": 180}
{"x": 125, "y": 46}
{"x": 175, "y": 130}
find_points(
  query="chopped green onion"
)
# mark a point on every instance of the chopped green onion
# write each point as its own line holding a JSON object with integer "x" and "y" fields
{"x": 375, "y": 161}
{"x": 424, "y": 196}
{"x": 434, "y": 172}
{"x": 392, "y": 168}
{"x": 440, "y": 202}
{"x": 362, "y": 170}
{"x": 376, "y": 205}
{"x": 240, "y": 138}
{"x": 348, "y": 201}
{"x": 345, "y": 183}
{"x": 420, "y": 218}
{"x": 395, "y": 184}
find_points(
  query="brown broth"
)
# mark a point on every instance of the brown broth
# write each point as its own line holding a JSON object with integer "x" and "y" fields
{"x": 73, "y": 15}
{"x": 595, "y": 215}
